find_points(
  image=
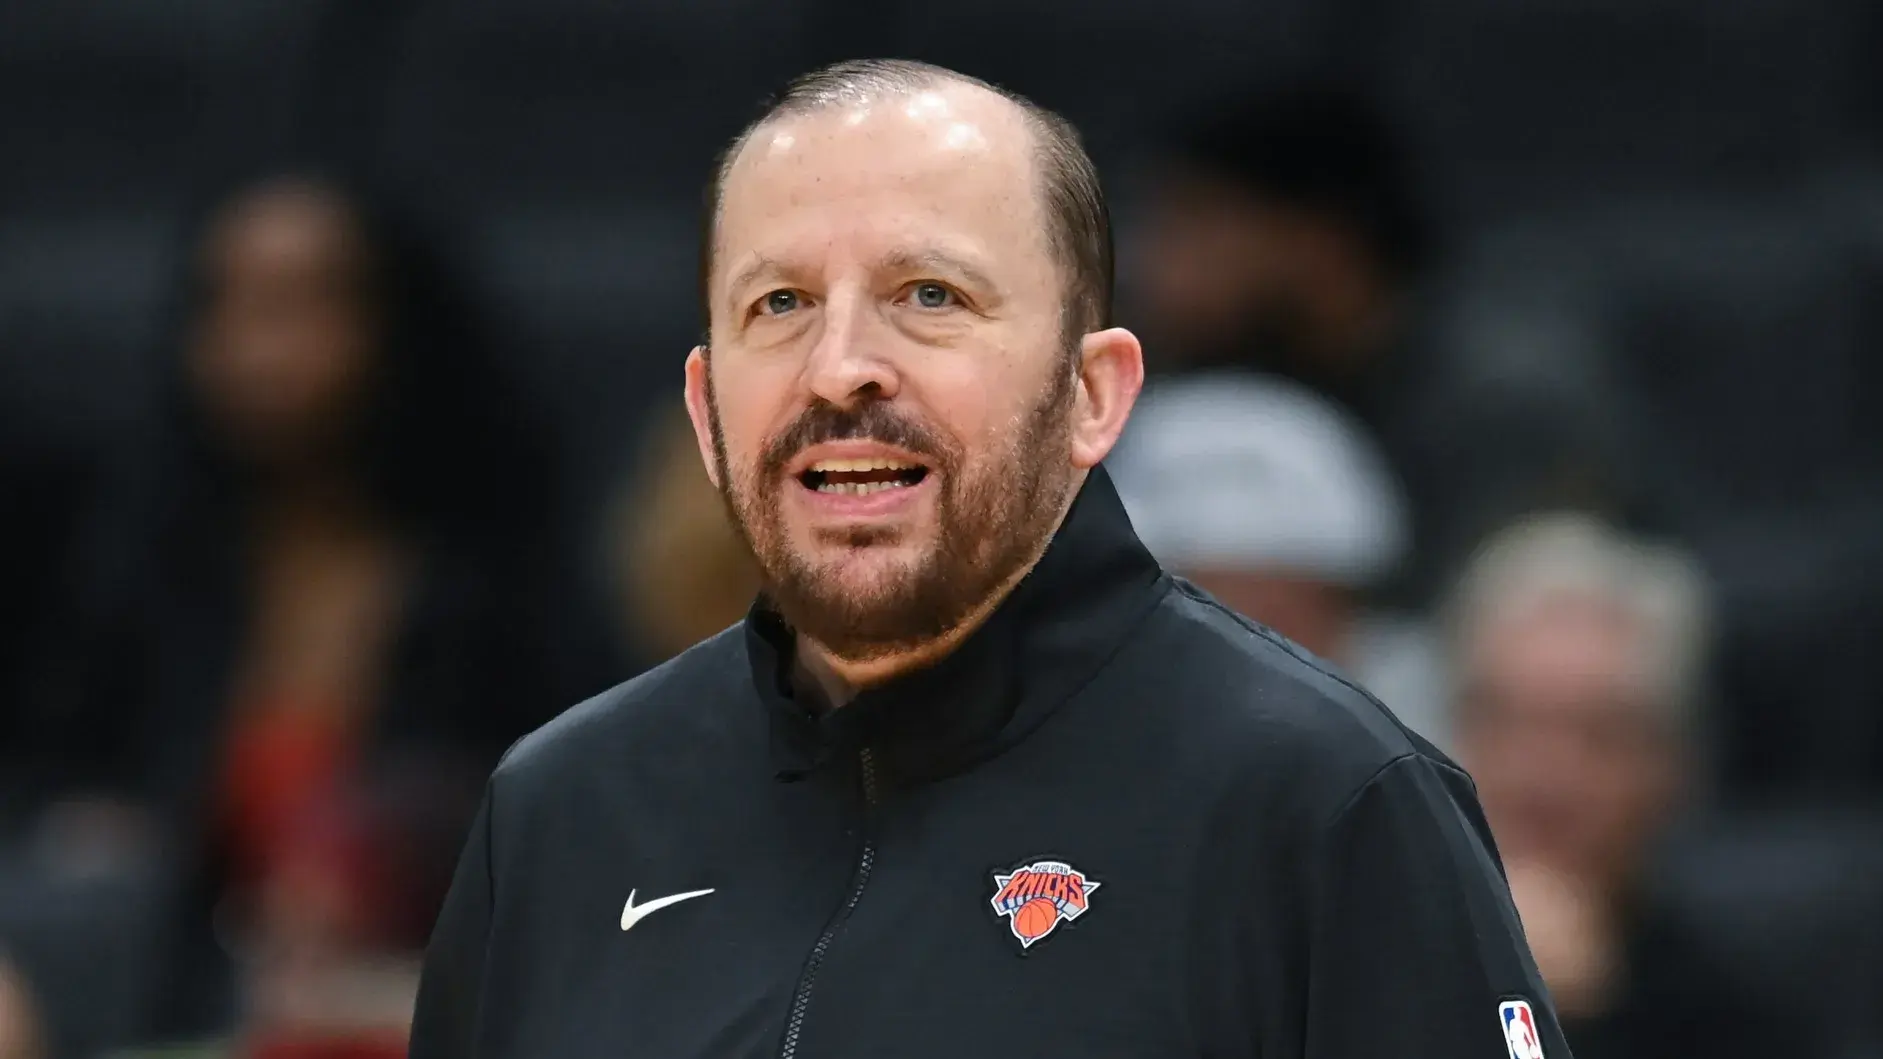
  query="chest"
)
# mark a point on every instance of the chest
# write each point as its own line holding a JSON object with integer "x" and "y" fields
{"x": 322, "y": 622}
{"x": 970, "y": 919}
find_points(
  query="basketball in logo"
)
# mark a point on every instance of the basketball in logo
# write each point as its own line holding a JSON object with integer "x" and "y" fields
{"x": 1035, "y": 919}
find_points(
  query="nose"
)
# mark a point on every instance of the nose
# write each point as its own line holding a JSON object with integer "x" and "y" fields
{"x": 848, "y": 363}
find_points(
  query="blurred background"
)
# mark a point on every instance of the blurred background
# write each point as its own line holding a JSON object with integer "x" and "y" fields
{"x": 1522, "y": 356}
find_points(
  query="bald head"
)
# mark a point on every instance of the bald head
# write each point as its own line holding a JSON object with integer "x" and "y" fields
{"x": 939, "y": 110}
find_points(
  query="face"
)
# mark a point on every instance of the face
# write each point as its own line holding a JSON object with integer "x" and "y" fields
{"x": 891, "y": 405}
{"x": 1228, "y": 276}
{"x": 282, "y": 347}
{"x": 1573, "y": 767}
{"x": 1212, "y": 262}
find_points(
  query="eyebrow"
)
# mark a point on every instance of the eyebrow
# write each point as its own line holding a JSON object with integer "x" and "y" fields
{"x": 759, "y": 267}
{"x": 939, "y": 261}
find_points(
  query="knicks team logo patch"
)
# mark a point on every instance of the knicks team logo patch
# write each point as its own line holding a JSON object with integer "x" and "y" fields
{"x": 1036, "y": 898}
{"x": 1520, "y": 1030}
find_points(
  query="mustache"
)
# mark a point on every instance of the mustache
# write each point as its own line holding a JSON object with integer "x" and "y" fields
{"x": 870, "y": 421}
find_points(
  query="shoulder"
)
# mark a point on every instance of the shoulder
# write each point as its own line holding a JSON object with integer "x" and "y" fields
{"x": 1265, "y": 715}
{"x": 689, "y": 697}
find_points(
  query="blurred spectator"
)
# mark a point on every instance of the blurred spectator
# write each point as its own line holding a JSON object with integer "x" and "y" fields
{"x": 1285, "y": 235}
{"x": 1580, "y": 656}
{"x": 19, "y": 1021}
{"x": 1276, "y": 501}
{"x": 682, "y": 570}
{"x": 326, "y": 599}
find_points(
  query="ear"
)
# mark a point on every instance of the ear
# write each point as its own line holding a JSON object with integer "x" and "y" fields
{"x": 699, "y": 395}
{"x": 1111, "y": 372}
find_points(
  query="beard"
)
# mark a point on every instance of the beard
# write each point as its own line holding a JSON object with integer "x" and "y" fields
{"x": 993, "y": 513}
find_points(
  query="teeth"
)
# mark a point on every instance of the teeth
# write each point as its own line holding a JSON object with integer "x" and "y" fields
{"x": 858, "y": 488}
{"x": 874, "y": 464}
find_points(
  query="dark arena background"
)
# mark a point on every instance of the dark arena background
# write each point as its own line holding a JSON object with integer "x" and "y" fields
{"x": 1523, "y": 357}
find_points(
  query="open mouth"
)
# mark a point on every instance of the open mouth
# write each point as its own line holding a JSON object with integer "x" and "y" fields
{"x": 861, "y": 477}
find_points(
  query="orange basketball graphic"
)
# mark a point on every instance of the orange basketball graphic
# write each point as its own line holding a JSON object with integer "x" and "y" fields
{"x": 1035, "y": 918}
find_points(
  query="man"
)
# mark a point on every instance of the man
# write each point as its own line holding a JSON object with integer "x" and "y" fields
{"x": 974, "y": 777}
{"x": 1579, "y": 653}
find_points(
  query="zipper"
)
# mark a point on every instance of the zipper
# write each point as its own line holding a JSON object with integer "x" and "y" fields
{"x": 866, "y": 859}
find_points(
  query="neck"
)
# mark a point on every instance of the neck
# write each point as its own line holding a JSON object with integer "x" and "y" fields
{"x": 840, "y": 679}
{"x": 321, "y": 502}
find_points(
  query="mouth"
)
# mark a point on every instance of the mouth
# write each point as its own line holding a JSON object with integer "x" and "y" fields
{"x": 861, "y": 477}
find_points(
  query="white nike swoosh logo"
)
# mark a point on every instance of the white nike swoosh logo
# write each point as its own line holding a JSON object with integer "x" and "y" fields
{"x": 633, "y": 913}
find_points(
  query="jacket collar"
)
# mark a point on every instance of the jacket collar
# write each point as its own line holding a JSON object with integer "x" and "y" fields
{"x": 1050, "y": 635}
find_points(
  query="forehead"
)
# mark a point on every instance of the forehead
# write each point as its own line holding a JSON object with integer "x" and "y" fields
{"x": 1570, "y": 644}
{"x": 952, "y": 166}
{"x": 284, "y": 223}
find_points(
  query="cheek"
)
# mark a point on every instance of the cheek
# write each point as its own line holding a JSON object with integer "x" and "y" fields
{"x": 338, "y": 365}
{"x": 1631, "y": 788}
{"x": 984, "y": 398}
{"x": 748, "y": 411}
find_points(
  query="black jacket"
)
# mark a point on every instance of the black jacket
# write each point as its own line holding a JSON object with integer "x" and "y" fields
{"x": 1213, "y": 846}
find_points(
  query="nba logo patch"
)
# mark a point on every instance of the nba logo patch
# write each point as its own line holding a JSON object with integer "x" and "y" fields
{"x": 1520, "y": 1029}
{"x": 1037, "y": 897}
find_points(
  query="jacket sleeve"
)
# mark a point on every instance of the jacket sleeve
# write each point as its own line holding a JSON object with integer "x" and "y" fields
{"x": 444, "y": 1023}
{"x": 1414, "y": 947}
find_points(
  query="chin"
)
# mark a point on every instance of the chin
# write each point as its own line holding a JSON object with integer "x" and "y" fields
{"x": 868, "y": 570}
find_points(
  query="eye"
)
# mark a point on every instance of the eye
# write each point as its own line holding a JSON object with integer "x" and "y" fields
{"x": 779, "y": 302}
{"x": 932, "y": 296}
